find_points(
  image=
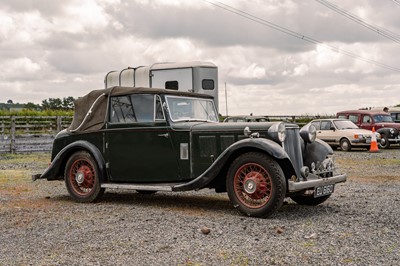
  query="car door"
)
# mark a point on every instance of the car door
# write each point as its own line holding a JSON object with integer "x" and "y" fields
{"x": 326, "y": 132}
{"x": 138, "y": 144}
{"x": 366, "y": 122}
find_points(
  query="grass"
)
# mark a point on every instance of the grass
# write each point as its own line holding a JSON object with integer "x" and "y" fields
{"x": 17, "y": 170}
{"x": 39, "y": 159}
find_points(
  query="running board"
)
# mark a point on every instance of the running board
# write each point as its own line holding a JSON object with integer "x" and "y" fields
{"x": 148, "y": 187}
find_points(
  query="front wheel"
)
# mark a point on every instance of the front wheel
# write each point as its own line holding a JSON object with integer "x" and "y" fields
{"x": 82, "y": 178}
{"x": 256, "y": 184}
{"x": 385, "y": 144}
{"x": 307, "y": 198}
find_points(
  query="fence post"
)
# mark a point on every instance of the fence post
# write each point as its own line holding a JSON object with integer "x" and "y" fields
{"x": 58, "y": 123}
{"x": 12, "y": 144}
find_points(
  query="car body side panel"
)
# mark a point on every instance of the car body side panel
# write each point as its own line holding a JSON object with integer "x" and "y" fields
{"x": 259, "y": 144}
{"x": 141, "y": 153}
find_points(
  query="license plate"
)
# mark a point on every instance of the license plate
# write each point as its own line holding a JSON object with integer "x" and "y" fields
{"x": 323, "y": 190}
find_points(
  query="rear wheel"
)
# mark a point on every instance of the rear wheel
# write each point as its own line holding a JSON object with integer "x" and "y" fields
{"x": 307, "y": 198}
{"x": 345, "y": 145}
{"x": 82, "y": 178}
{"x": 256, "y": 184}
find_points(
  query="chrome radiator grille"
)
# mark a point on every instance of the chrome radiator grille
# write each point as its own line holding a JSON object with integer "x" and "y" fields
{"x": 292, "y": 146}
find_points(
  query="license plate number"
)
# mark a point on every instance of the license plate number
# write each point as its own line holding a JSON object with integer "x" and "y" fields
{"x": 323, "y": 190}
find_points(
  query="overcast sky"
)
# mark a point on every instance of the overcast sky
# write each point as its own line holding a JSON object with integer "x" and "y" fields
{"x": 55, "y": 49}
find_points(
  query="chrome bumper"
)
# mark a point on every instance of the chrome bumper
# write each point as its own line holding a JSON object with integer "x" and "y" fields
{"x": 315, "y": 181}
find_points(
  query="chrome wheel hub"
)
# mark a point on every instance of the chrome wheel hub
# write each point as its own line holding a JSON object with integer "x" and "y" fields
{"x": 250, "y": 186}
{"x": 80, "y": 177}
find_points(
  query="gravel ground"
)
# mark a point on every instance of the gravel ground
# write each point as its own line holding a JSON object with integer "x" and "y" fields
{"x": 358, "y": 225}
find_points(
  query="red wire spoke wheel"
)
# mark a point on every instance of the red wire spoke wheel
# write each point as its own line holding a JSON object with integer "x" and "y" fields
{"x": 256, "y": 184}
{"x": 252, "y": 185}
{"x": 82, "y": 177}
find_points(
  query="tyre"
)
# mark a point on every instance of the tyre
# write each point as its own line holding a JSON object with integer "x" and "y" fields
{"x": 256, "y": 184}
{"x": 146, "y": 192}
{"x": 307, "y": 198}
{"x": 384, "y": 144}
{"x": 82, "y": 178}
{"x": 345, "y": 145}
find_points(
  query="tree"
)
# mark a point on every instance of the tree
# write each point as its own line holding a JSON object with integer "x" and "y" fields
{"x": 10, "y": 101}
{"x": 32, "y": 106}
{"x": 67, "y": 103}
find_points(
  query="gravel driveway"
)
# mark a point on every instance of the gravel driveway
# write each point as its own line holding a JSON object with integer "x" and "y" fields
{"x": 358, "y": 225}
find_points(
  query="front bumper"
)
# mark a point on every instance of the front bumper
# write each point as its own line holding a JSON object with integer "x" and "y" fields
{"x": 365, "y": 142}
{"x": 394, "y": 140}
{"x": 315, "y": 181}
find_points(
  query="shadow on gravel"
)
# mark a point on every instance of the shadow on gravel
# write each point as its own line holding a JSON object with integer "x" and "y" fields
{"x": 294, "y": 211}
{"x": 202, "y": 204}
{"x": 178, "y": 201}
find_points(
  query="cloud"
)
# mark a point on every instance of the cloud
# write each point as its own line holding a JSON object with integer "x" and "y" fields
{"x": 65, "y": 48}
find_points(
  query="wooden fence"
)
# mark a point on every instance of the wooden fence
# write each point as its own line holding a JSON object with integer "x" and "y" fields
{"x": 22, "y": 134}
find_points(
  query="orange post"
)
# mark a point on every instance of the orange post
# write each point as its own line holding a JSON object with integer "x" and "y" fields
{"x": 374, "y": 144}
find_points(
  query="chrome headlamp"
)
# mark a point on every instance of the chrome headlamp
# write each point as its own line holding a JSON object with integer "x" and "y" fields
{"x": 308, "y": 133}
{"x": 278, "y": 132}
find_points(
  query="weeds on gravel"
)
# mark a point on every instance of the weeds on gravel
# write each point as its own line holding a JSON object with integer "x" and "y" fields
{"x": 24, "y": 158}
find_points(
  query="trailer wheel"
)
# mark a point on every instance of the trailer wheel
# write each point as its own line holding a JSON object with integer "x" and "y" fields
{"x": 82, "y": 178}
{"x": 256, "y": 184}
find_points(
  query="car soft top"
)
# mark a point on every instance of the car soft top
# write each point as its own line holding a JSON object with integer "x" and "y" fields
{"x": 91, "y": 109}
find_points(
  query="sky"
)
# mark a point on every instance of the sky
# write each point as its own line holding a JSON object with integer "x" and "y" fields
{"x": 56, "y": 49}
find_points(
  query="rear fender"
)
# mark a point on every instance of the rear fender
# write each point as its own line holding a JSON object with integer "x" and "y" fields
{"x": 56, "y": 169}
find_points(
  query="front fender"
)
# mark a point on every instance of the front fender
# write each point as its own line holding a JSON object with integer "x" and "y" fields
{"x": 264, "y": 145}
{"x": 386, "y": 131}
{"x": 54, "y": 171}
{"x": 316, "y": 152}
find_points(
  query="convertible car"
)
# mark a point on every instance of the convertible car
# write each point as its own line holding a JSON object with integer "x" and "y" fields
{"x": 153, "y": 140}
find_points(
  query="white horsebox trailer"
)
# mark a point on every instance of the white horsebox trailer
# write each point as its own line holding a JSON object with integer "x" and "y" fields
{"x": 199, "y": 77}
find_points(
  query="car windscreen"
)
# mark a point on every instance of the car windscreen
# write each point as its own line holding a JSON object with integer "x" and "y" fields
{"x": 344, "y": 124}
{"x": 382, "y": 118}
{"x": 191, "y": 109}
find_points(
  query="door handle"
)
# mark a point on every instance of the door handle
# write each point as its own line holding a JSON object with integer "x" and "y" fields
{"x": 166, "y": 135}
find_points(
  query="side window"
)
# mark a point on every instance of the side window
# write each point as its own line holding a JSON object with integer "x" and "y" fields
{"x": 366, "y": 119}
{"x": 122, "y": 110}
{"x": 342, "y": 116}
{"x": 159, "y": 109}
{"x": 353, "y": 118}
{"x": 143, "y": 105}
{"x": 172, "y": 85}
{"x": 135, "y": 108}
{"x": 207, "y": 84}
{"x": 316, "y": 124}
{"x": 325, "y": 125}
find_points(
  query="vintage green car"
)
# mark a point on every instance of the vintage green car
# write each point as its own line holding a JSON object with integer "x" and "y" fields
{"x": 153, "y": 140}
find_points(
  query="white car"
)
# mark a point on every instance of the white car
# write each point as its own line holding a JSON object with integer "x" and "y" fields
{"x": 343, "y": 133}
